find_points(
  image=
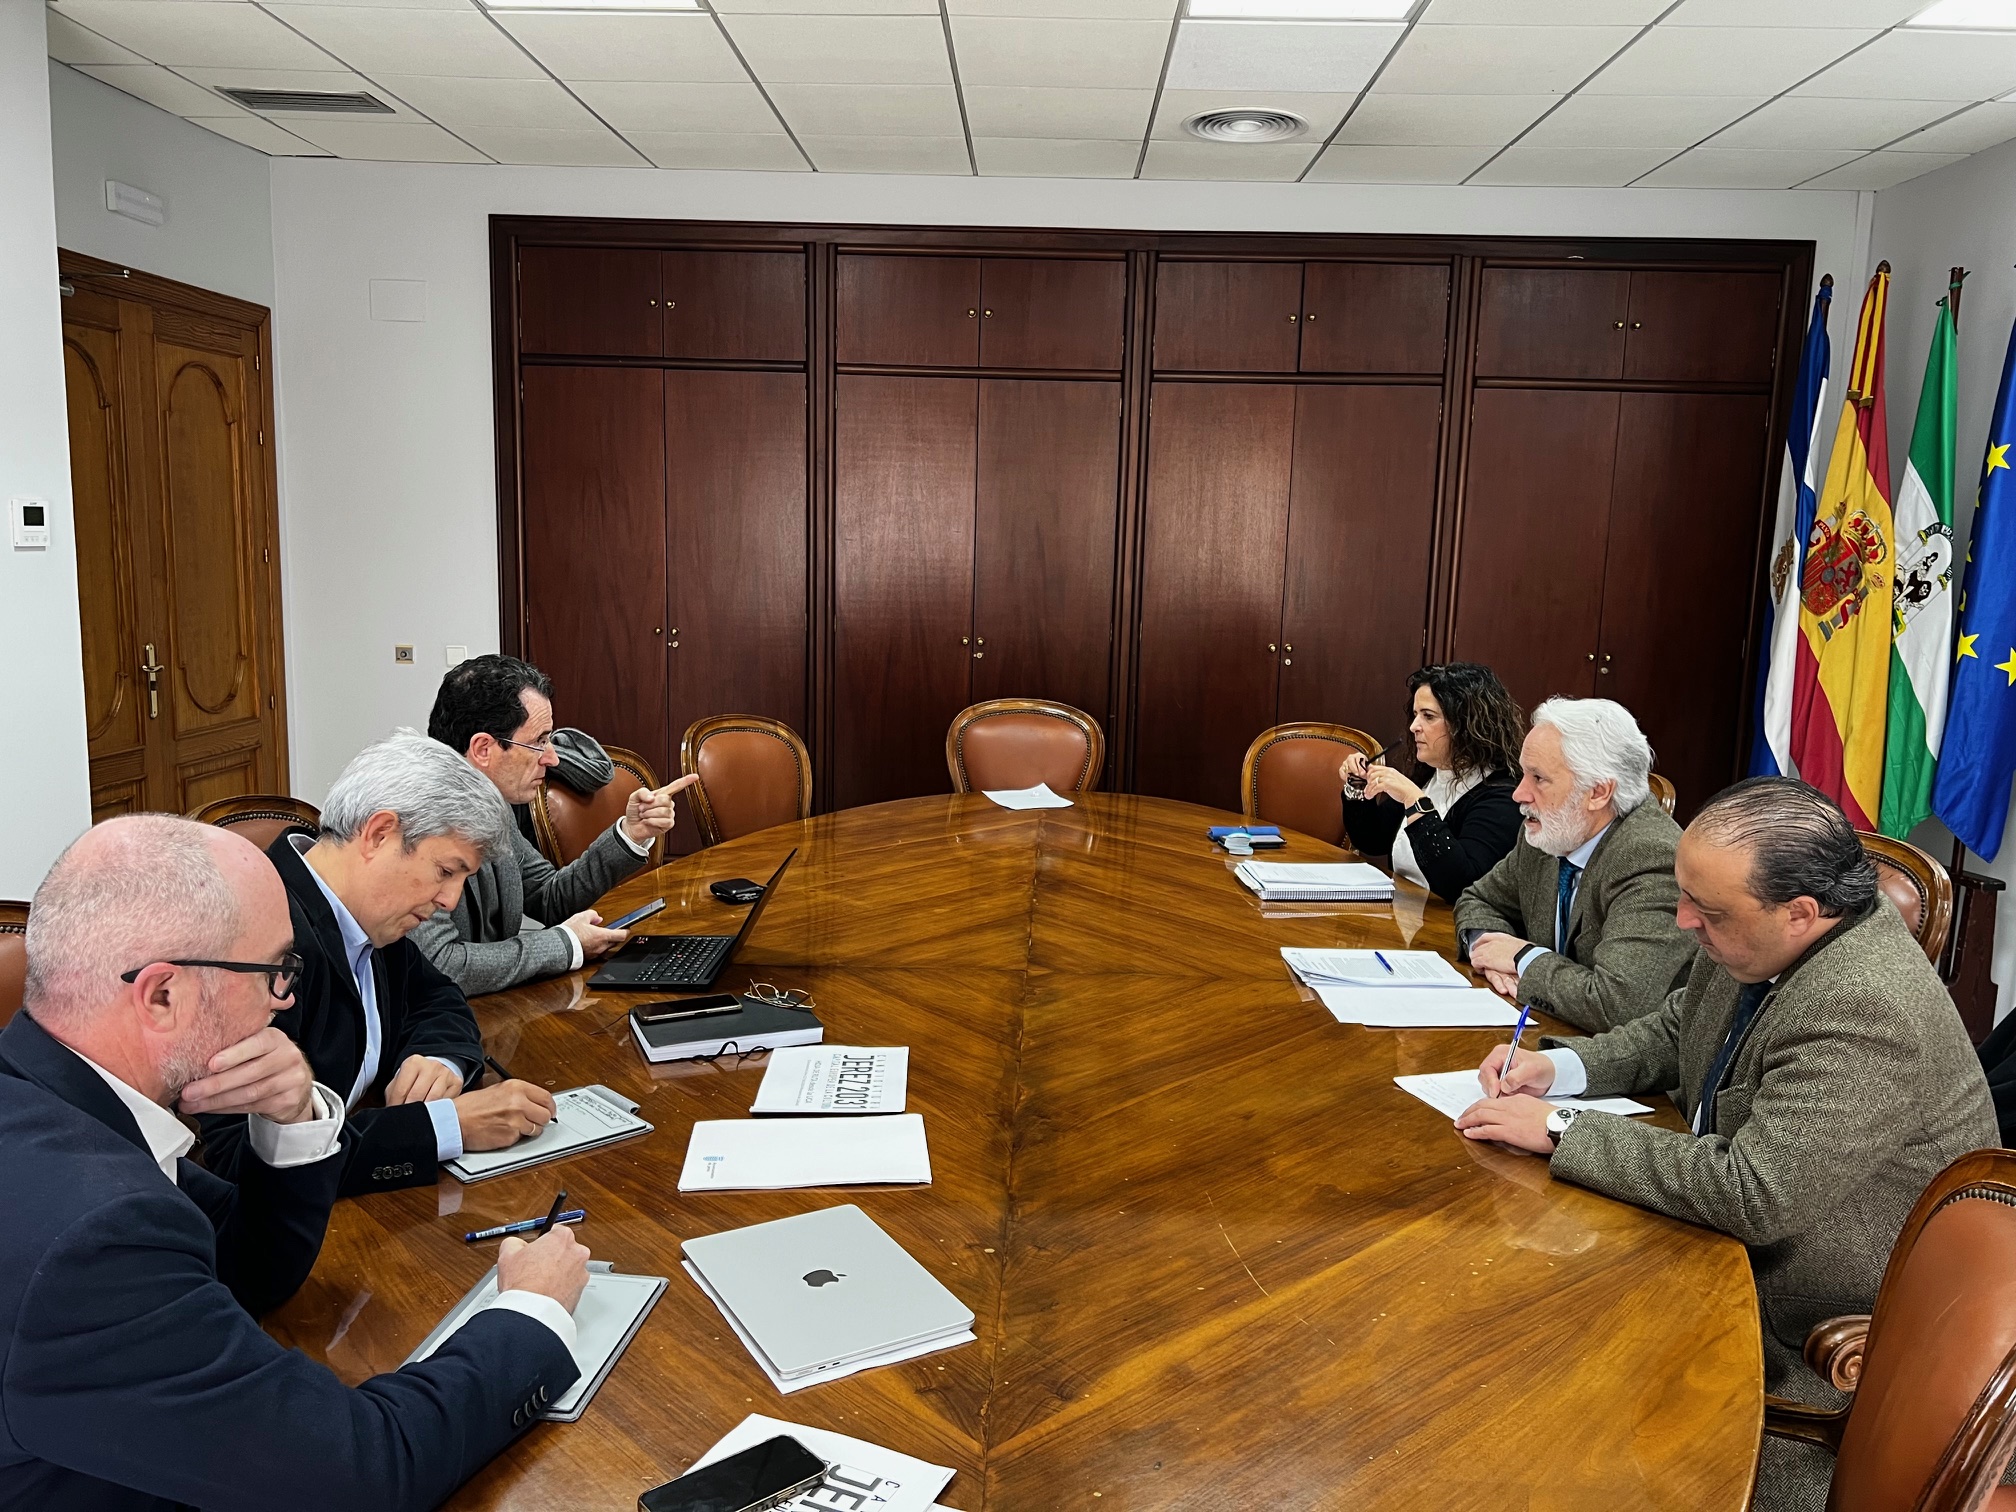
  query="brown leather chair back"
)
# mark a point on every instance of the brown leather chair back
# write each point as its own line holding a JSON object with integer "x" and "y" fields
{"x": 1663, "y": 790}
{"x": 13, "y": 957}
{"x": 261, "y": 818}
{"x": 1290, "y": 778}
{"x": 754, "y": 773}
{"x": 1921, "y": 888}
{"x": 1019, "y": 742}
{"x": 566, "y": 824}
{"x": 1934, "y": 1416}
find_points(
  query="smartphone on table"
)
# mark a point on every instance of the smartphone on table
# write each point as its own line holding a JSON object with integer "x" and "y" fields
{"x": 761, "y": 1477}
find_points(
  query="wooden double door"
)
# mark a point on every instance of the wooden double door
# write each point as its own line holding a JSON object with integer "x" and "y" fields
{"x": 169, "y": 401}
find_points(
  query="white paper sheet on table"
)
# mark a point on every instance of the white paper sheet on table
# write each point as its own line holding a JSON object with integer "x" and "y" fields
{"x": 1418, "y": 1007}
{"x": 1363, "y": 968}
{"x": 1452, "y": 1092}
{"x": 835, "y": 1079}
{"x": 1037, "y": 797}
{"x": 862, "y": 1475}
{"x": 778, "y": 1154}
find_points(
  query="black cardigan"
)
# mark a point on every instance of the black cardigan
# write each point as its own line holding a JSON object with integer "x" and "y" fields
{"x": 1454, "y": 849}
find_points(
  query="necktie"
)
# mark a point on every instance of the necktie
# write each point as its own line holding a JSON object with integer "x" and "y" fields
{"x": 1564, "y": 902}
{"x": 1747, "y": 1004}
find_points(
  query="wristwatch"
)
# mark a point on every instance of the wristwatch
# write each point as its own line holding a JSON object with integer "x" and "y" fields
{"x": 1558, "y": 1121}
{"x": 1422, "y": 805}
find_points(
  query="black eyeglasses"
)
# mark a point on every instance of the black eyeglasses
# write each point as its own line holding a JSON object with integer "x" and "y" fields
{"x": 280, "y": 975}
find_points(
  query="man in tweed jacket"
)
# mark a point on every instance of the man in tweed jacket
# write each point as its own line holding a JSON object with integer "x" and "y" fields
{"x": 1824, "y": 1073}
{"x": 520, "y": 916}
{"x": 1578, "y": 917}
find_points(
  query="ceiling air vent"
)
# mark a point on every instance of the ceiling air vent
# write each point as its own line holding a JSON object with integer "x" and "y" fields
{"x": 1245, "y": 125}
{"x": 321, "y": 102}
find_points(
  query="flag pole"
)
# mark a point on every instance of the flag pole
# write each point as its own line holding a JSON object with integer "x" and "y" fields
{"x": 1955, "y": 277}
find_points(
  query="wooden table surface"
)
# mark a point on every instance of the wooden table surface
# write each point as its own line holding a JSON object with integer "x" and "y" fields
{"x": 1218, "y": 1260}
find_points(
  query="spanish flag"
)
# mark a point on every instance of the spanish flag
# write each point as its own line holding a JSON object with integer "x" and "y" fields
{"x": 1841, "y": 684}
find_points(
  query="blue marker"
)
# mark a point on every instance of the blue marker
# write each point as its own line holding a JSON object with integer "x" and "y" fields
{"x": 572, "y": 1215}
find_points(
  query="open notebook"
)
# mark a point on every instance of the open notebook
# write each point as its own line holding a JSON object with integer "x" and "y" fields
{"x": 584, "y": 1118}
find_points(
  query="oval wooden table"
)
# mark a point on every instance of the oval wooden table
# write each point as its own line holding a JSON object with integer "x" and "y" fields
{"x": 1218, "y": 1260}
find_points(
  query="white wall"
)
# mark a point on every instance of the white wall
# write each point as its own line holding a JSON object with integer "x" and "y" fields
{"x": 43, "y": 770}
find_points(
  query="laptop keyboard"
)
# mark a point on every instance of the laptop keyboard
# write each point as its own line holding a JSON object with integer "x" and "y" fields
{"x": 695, "y": 958}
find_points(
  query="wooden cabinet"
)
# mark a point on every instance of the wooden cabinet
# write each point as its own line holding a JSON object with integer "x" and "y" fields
{"x": 1711, "y": 327}
{"x": 1325, "y": 317}
{"x": 1038, "y": 312}
{"x": 589, "y": 301}
{"x": 735, "y": 305}
{"x": 1374, "y": 317}
{"x": 908, "y": 311}
{"x": 1719, "y": 326}
{"x": 1227, "y": 317}
{"x": 1552, "y": 323}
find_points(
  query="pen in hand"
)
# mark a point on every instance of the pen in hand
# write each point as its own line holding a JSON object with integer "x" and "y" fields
{"x": 502, "y": 1074}
{"x": 525, "y": 1226}
{"x": 553, "y": 1217}
{"x": 1505, "y": 1070}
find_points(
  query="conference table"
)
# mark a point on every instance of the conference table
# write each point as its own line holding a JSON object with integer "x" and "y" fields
{"x": 1218, "y": 1260}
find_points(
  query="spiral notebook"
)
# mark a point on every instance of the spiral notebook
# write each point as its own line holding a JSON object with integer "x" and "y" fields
{"x": 584, "y": 1118}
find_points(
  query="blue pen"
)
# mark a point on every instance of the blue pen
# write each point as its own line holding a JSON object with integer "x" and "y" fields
{"x": 1518, "y": 1029}
{"x": 1383, "y": 962}
{"x": 572, "y": 1215}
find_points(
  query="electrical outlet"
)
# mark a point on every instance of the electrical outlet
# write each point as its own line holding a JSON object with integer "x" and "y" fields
{"x": 454, "y": 656}
{"x": 403, "y": 655}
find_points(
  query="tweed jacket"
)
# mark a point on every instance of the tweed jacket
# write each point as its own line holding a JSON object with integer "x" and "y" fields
{"x": 505, "y": 929}
{"x": 1853, "y": 1087}
{"x": 1624, "y": 952}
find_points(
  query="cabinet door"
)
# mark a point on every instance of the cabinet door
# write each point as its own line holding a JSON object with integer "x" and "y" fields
{"x": 912, "y": 311}
{"x": 1052, "y": 312}
{"x": 903, "y": 581}
{"x": 1676, "y": 587}
{"x": 589, "y": 301}
{"x": 1552, "y": 323}
{"x": 1044, "y": 514}
{"x": 1228, "y": 317}
{"x": 594, "y": 550}
{"x": 745, "y": 305}
{"x": 1217, "y": 528}
{"x": 1703, "y": 327}
{"x": 1374, "y": 317}
{"x": 1355, "y": 606}
{"x": 1529, "y": 578}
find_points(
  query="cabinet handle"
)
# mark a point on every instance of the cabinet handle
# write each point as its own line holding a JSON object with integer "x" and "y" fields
{"x": 1293, "y": 318}
{"x": 987, "y": 314}
{"x": 654, "y": 304}
{"x": 980, "y": 640}
{"x": 671, "y": 304}
{"x": 1308, "y": 317}
{"x": 1617, "y": 325}
{"x": 153, "y": 670}
{"x": 971, "y": 313}
{"x": 1272, "y": 647}
{"x": 1637, "y": 325}
{"x": 1604, "y": 670}
{"x": 967, "y": 640}
{"x": 1592, "y": 656}
{"x": 1286, "y": 647}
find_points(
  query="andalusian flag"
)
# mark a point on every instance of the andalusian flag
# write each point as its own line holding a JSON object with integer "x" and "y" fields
{"x": 1842, "y": 685}
{"x": 1921, "y": 652}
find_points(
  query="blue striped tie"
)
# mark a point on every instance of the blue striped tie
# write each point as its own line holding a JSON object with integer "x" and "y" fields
{"x": 1565, "y": 902}
{"x": 1747, "y": 1004}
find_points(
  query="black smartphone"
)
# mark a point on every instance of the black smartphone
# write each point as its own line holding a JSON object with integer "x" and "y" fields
{"x": 736, "y": 890}
{"x": 635, "y": 914}
{"x": 757, "y": 1479}
{"x": 678, "y": 1009}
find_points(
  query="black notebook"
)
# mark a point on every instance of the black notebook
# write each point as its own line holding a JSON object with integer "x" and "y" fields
{"x": 757, "y": 1026}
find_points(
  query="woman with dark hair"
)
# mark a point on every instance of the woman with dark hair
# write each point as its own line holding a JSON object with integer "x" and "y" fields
{"x": 1454, "y": 818}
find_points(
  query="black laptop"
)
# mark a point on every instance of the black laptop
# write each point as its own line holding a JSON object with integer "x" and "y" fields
{"x": 682, "y": 963}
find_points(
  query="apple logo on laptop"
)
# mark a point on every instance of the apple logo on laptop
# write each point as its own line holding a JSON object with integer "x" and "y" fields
{"x": 817, "y": 1278}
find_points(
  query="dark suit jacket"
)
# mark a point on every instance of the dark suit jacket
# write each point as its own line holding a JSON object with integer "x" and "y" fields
{"x": 132, "y": 1376}
{"x": 1998, "y": 1060}
{"x": 424, "y": 1014}
{"x": 1454, "y": 849}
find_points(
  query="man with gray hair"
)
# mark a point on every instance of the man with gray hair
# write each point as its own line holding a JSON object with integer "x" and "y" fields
{"x": 405, "y": 823}
{"x": 1578, "y": 919}
{"x": 1817, "y": 1058}
{"x": 159, "y": 953}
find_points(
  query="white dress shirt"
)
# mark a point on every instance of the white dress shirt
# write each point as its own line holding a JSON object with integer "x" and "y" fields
{"x": 1443, "y": 789}
{"x": 1579, "y": 859}
{"x": 575, "y": 953}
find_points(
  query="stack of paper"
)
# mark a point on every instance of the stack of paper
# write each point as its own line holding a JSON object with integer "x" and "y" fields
{"x": 1418, "y": 1007}
{"x": 1453, "y": 1092}
{"x": 1372, "y": 968}
{"x": 772, "y": 1154}
{"x": 1316, "y": 882}
{"x": 857, "y": 1474}
{"x": 835, "y": 1079}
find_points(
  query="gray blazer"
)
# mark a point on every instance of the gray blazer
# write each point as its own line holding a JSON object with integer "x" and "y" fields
{"x": 1625, "y": 953}
{"x": 505, "y": 929}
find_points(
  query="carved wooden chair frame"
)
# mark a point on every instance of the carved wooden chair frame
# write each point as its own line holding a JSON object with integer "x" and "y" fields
{"x": 225, "y": 812}
{"x": 1078, "y": 719}
{"x": 1249, "y": 769}
{"x": 547, "y": 836}
{"x": 701, "y": 731}
{"x": 1663, "y": 790}
{"x": 1929, "y": 876}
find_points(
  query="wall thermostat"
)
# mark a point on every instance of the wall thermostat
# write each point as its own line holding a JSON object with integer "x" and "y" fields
{"x": 31, "y": 524}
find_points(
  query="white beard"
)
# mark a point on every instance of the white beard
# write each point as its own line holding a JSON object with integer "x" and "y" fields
{"x": 1558, "y": 834}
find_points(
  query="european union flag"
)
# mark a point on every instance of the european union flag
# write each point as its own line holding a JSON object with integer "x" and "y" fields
{"x": 1978, "y": 756}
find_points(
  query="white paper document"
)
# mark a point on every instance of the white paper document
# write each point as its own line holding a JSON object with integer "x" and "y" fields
{"x": 1418, "y": 1008}
{"x": 1037, "y": 797}
{"x": 584, "y": 1118}
{"x": 1330, "y": 881}
{"x": 1453, "y": 1092}
{"x": 859, "y": 1475}
{"x": 1372, "y": 968}
{"x": 835, "y": 1079}
{"x": 771, "y": 1154}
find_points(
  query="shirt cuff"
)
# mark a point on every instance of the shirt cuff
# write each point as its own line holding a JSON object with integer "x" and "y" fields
{"x": 1571, "y": 1077}
{"x": 1528, "y": 956}
{"x": 575, "y": 956}
{"x": 283, "y": 1146}
{"x": 635, "y": 849}
{"x": 540, "y": 1309}
{"x": 461, "y": 1072}
{"x": 447, "y": 1128}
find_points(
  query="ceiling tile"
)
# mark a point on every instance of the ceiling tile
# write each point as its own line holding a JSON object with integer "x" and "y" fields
{"x": 826, "y": 7}
{"x": 766, "y": 152}
{"x": 1872, "y": 13}
{"x": 1489, "y": 120}
{"x": 1352, "y": 163}
{"x": 1329, "y": 56}
{"x": 1009, "y": 51}
{"x": 286, "y": 78}
{"x": 259, "y": 133}
{"x": 869, "y": 109}
{"x": 1669, "y": 121}
{"x": 1884, "y": 170}
{"x": 1716, "y": 60}
{"x": 1542, "y": 12}
{"x": 157, "y": 86}
{"x": 736, "y": 108}
{"x": 1069, "y": 10}
{"x": 572, "y": 149}
{"x": 212, "y": 33}
{"x": 458, "y": 43}
{"x": 1321, "y": 111}
{"x": 1970, "y": 131}
{"x": 455, "y": 103}
{"x": 76, "y": 45}
{"x": 1273, "y": 162}
{"x": 646, "y": 49}
{"x": 1928, "y": 65}
{"x": 889, "y": 154}
{"x": 1571, "y": 166}
{"x": 442, "y": 5}
{"x": 1054, "y": 157}
{"x": 843, "y": 49}
{"x": 1500, "y": 59}
{"x": 1800, "y": 121}
{"x": 385, "y": 141}
{"x": 1078, "y": 114}
{"x": 1744, "y": 168}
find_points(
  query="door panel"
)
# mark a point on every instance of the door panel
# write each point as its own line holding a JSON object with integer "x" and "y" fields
{"x": 1536, "y": 506}
{"x": 589, "y": 301}
{"x": 1703, "y": 327}
{"x": 746, "y": 305}
{"x": 1676, "y": 585}
{"x": 1552, "y": 323}
{"x": 1052, "y": 312}
{"x": 1374, "y": 317}
{"x": 594, "y": 611}
{"x": 1227, "y": 317}
{"x": 921, "y": 311}
{"x": 903, "y": 581}
{"x": 1219, "y": 457}
{"x": 1044, "y": 515}
{"x": 1355, "y": 606}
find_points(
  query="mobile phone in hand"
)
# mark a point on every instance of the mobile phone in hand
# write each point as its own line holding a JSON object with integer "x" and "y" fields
{"x": 635, "y": 914}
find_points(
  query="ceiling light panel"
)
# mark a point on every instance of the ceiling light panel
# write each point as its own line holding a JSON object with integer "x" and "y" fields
{"x": 641, "y": 49}
{"x": 1264, "y": 55}
{"x": 1097, "y": 115}
{"x": 1499, "y": 59}
{"x": 443, "y": 43}
{"x": 630, "y": 107}
{"x": 1301, "y": 10}
{"x": 1671, "y": 122}
{"x": 1354, "y": 163}
{"x": 1013, "y": 51}
{"x": 1976, "y": 15}
{"x": 211, "y": 33}
{"x": 869, "y": 109}
{"x": 1442, "y": 120}
{"x": 1924, "y": 65}
{"x": 1720, "y": 60}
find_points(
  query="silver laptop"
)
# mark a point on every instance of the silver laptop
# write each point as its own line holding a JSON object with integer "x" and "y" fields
{"x": 824, "y": 1289}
